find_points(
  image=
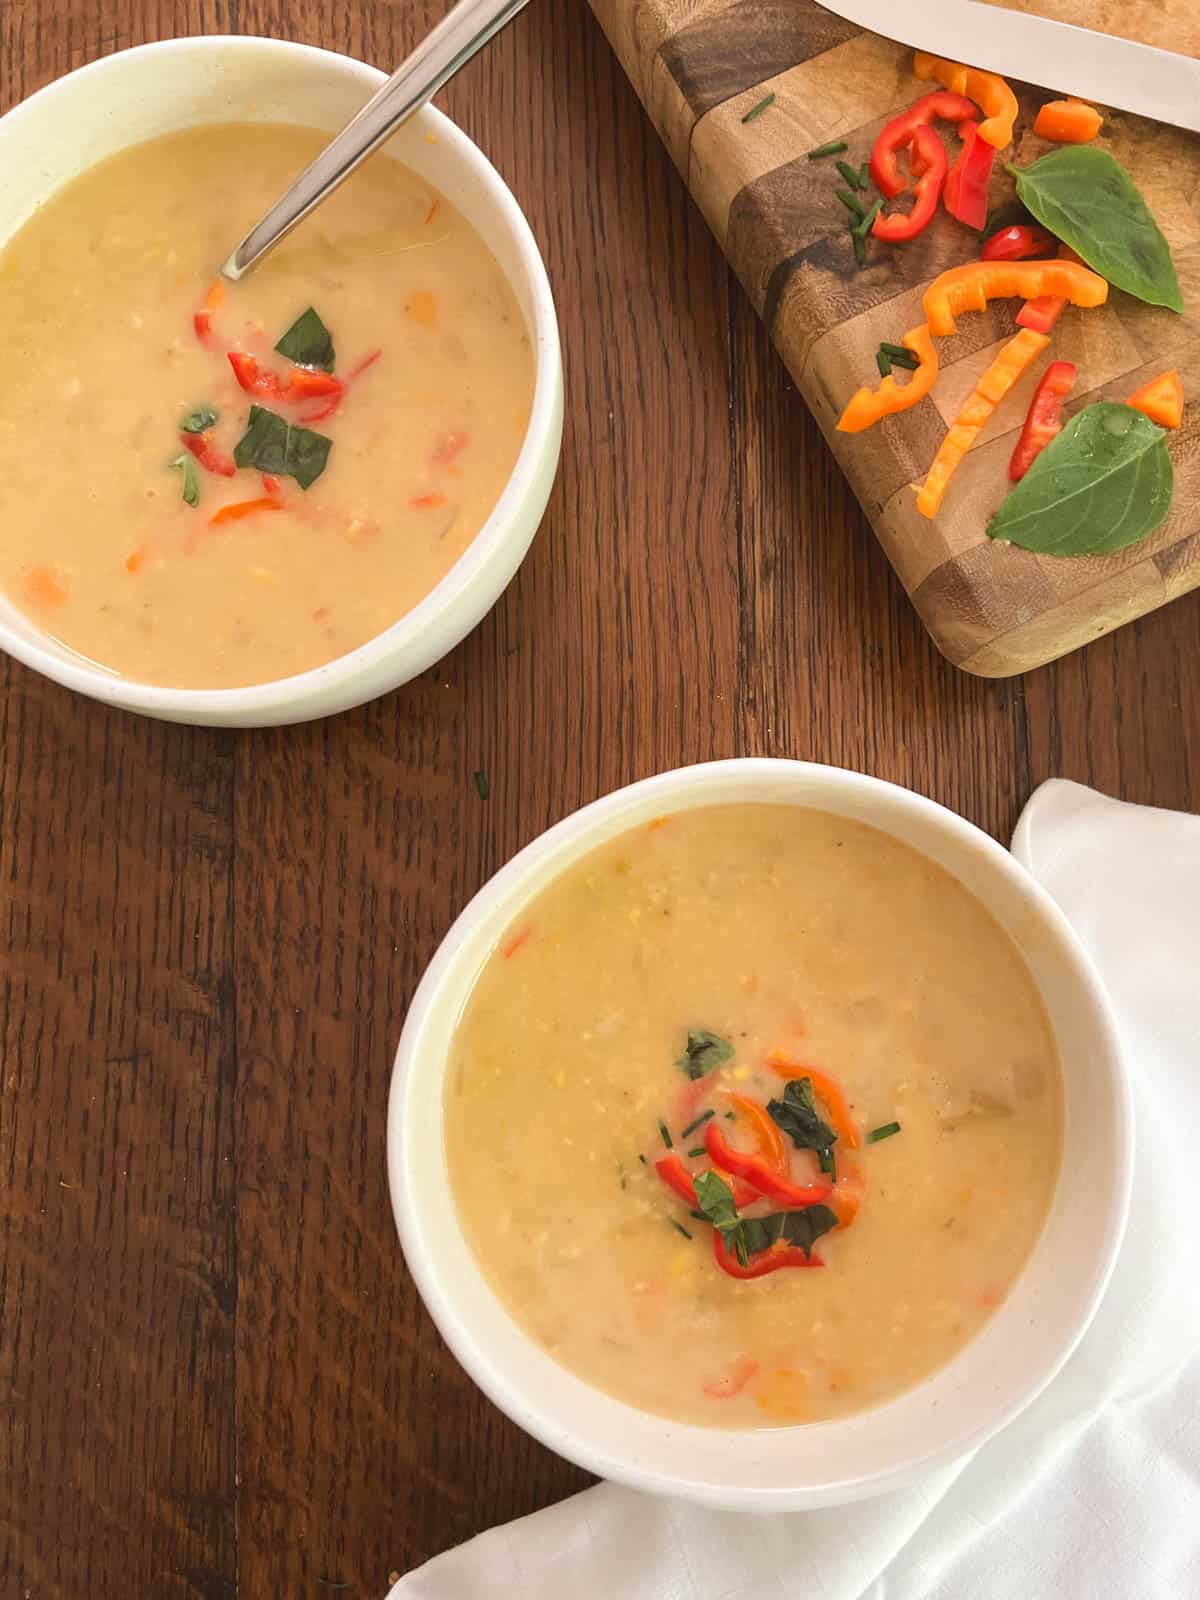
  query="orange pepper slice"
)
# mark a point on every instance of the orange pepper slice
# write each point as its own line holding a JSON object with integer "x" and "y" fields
{"x": 1161, "y": 399}
{"x": 825, "y": 1089}
{"x": 987, "y": 89}
{"x": 869, "y": 405}
{"x": 766, "y": 1131}
{"x": 971, "y": 286}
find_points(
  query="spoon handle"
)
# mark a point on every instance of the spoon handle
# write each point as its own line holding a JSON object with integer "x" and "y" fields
{"x": 460, "y": 33}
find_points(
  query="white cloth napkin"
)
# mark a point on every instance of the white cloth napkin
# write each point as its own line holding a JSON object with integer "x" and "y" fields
{"x": 1096, "y": 1488}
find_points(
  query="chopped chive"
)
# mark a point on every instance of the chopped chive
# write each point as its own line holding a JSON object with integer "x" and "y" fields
{"x": 864, "y": 173}
{"x": 850, "y": 203}
{"x": 729, "y": 1116}
{"x": 884, "y": 1132}
{"x": 666, "y": 1136}
{"x": 863, "y": 228}
{"x": 679, "y": 1227}
{"x": 621, "y": 1175}
{"x": 833, "y": 148}
{"x": 908, "y": 362}
{"x": 698, "y": 1150}
{"x": 852, "y": 175}
{"x": 481, "y": 785}
{"x": 757, "y": 111}
{"x": 642, "y": 1159}
{"x": 860, "y": 247}
{"x": 897, "y": 351}
{"x": 883, "y": 362}
{"x": 699, "y": 1123}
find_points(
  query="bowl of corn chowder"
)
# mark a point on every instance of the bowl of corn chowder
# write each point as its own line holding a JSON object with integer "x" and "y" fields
{"x": 759, "y": 1135}
{"x": 259, "y": 502}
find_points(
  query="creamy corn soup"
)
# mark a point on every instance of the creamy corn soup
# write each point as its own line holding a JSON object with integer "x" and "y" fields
{"x": 753, "y": 1117}
{"x": 206, "y": 484}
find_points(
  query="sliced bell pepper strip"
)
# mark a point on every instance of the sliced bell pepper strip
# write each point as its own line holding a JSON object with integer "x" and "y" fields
{"x": 207, "y": 454}
{"x": 243, "y": 508}
{"x": 971, "y": 286}
{"x": 766, "y": 1131}
{"x": 927, "y": 158}
{"x": 867, "y": 406}
{"x": 1161, "y": 400}
{"x": 677, "y": 1178}
{"x": 847, "y": 1193}
{"x": 258, "y": 381}
{"x": 898, "y": 134}
{"x": 769, "y": 1260}
{"x": 733, "y": 1381}
{"x": 983, "y": 400}
{"x": 1044, "y": 310}
{"x": 985, "y": 88}
{"x": 1044, "y": 419}
{"x": 825, "y": 1089}
{"x": 965, "y": 195}
{"x": 763, "y": 1178}
{"x": 202, "y": 320}
{"x": 1068, "y": 122}
{"x": 1019, "y": 243}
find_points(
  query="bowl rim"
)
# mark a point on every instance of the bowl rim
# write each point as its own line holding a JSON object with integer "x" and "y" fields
{"x": 490, "y": 546}
{"x": 500, "y": 899}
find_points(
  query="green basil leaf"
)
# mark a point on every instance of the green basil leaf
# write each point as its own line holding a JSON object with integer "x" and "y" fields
{"x": 794, "y": 1227}
{"x": 308, "y": 342}
{"x": 1104, "y": 482}
{"x": 272, "y": 444}
{"x": 199, "y": 420}
{"x": 799, "y": 1118}
{"x": 191, "y": 479}
{"x": 714, "y": 1198}
{"x": 1090, "y": 202}
{"x": 704, "y": 1052}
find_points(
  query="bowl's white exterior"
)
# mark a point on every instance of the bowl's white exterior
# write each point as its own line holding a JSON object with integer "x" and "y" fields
{"x": 998, "y": 1373}
{"x": 157, "y": 88}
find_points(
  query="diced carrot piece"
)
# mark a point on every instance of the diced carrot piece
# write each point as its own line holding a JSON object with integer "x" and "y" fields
{"x": 510, "y": 949}
{"x": 733, "y": 1381}
{"x": 1068, "y": 121}
{"x": 421, "y": 306}
{"x": 1161, "y": 399}
{"x": 425, "y": 502}
{"x": 44, "y": 589}
{"x": 135, "y": 558}
{"x": 449, "y": 446}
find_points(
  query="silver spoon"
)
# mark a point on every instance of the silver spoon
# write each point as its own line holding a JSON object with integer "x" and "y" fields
{"x": 460, "y": 33}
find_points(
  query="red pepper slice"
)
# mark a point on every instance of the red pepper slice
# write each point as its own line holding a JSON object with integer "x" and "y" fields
{"x": 1023, "y": 242}
{"x": 927, "y": 158}
{"x": 1044, "y": 419}
{"x": 304, "y": 383}
{"x": 899, "y": 133}
{"x": 253, "y": 379}
{"x": 966, "y": 193}
{"x": 678, "y": 1179}
{"x": 207, "y": 454}
{"x": 1041, "y": 313}
{"x": 769, "y": 1260}
{"x": 762, "y": 1176}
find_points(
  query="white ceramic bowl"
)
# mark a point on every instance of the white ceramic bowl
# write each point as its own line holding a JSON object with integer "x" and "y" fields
{"x": 157, "y": 88}
{"x": 827, "y": 1463}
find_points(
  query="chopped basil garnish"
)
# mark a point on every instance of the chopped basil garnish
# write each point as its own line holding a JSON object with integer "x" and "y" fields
{"x": 884, "y": 1132}
{"x": 704, "y": 1052}
{"x": 272, "y": 444}
{"x": 191, "y": 479}
{"x": 698, "y": 1150}
{"x": 797, "y": 1115}
{"x": 198, "y": 420}
{"x": 746, "y": 1236}
{"x": 308, "y": 342}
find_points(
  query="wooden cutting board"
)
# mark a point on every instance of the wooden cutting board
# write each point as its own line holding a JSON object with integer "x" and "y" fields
{"x": 699, "y": 67}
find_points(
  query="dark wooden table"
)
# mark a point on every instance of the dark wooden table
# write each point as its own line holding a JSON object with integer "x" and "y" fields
{"x": 215, "y": 1375}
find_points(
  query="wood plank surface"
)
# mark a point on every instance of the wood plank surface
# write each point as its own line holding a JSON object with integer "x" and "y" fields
{"x": 215, "y": 1376}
